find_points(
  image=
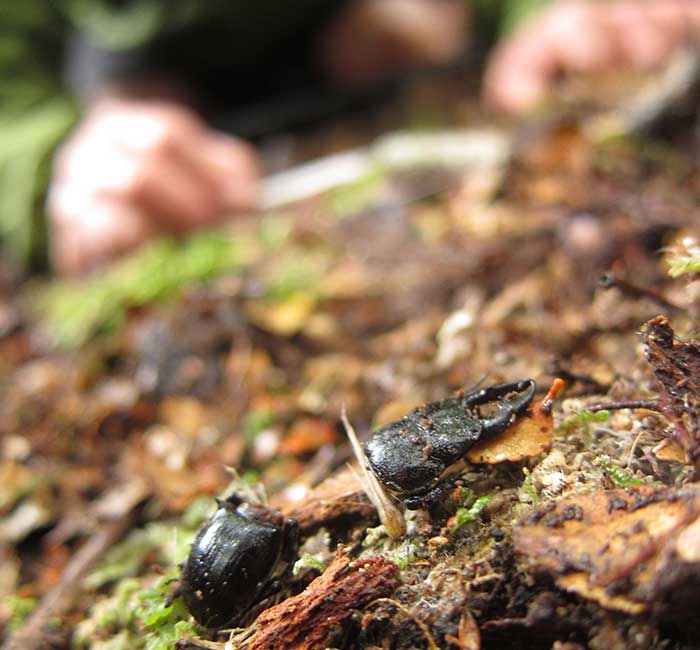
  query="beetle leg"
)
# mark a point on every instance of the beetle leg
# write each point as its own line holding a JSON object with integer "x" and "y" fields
{"x": 290, "y": 543}
{"x": 434, "y": 495}
{"x": 270, "y": 588}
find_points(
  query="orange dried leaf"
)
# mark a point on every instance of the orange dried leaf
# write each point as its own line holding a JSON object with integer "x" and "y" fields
{"x": 528, "y": 436}
{"x": 307, "y": 435}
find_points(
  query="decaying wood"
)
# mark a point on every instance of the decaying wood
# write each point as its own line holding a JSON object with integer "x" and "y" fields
{"x": 631, "y": 550}
{"x": 676, "y": 365}
{"x": 309, "y": 621}
{"x": 337, "y": 501}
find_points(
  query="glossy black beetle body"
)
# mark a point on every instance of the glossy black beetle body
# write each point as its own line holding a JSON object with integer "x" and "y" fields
{"x": 409, "y": 455}
{"x": 235, "y": 561}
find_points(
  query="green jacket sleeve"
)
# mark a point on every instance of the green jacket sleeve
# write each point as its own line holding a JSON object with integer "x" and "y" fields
{"x": 35, "y": 114}
{"x": 497, "y": 18}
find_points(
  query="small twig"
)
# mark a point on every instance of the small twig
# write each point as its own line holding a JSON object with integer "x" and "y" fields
{"x": 650, "y": 404}
{"x": 557, "y": 387}
{"x": 609, "y": 280}
{"x": 637, "y": 438}
{"x": 58, "y": 601}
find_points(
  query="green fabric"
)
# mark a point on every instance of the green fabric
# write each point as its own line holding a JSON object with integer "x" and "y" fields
{"x": 516, "y": 12}
{"x": 496, "y": 18}
{"x": 35, "y": 113}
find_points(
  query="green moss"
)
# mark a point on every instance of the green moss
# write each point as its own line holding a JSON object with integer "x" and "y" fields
{"x": 76, "y": 311}
{"x": 465, "y": 515}
{"x": 529, "y": 487}
{"x": 619, "y": 476}
{"x": 20, "y": 608}
{"x": 308, "y": 561}
{"x": 136, "y": 618}
{"x": 407, "y": 553}
{"x": 583, "y": 419}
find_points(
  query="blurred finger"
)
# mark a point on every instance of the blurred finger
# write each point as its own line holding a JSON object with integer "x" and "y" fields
{"x": 517, "y": 75}
{"x": 640, "y": 41}
{"x": 232, "y": 167}
{"x": 173, "y": 192}
{"x": 102, "y": 231}
{"x": 575, "y": 39}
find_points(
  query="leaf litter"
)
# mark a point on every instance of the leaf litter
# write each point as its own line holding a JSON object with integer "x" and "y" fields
{"x": 573, "y": 530}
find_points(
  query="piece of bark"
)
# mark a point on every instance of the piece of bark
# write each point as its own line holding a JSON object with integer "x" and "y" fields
{"x": 629, "y": 550}
{"x": 676, "y": 365}
{"x": 309, "y": 620}
{"x": 339, "y": 501}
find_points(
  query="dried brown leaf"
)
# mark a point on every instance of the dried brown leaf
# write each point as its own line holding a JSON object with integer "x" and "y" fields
{"x": 468, "y": 636}
{"x": 676, "y": 365}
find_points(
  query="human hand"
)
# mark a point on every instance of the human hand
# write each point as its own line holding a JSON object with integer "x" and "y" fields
{"x": 586, "y": 37}
{"x": 374, "y": 39}
{"x": 135, "y": 169}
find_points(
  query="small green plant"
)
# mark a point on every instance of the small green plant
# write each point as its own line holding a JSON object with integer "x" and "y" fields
{"x": 20, "y": 608}
{"x": 308, "y": 561}
{"x": 683, "y": 258}
{"x": 619, "y": 476}
{"x": 465, "y": 515}
{"x": 136, "y": 618}
{"x": 529, "y": 487}
{"x": 74, "y": 312}
{"x": 407, "y": 552}
{"x": 583, "y": 419}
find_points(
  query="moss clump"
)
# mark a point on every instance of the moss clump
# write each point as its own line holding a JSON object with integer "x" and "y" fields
{"x": 583, "y": 419}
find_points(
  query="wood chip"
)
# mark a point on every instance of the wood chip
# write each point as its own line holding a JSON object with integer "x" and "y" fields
{"x": 309, "y": 620}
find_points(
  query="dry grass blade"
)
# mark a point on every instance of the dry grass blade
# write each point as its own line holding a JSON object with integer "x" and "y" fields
{"x": 389, "y": 513}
